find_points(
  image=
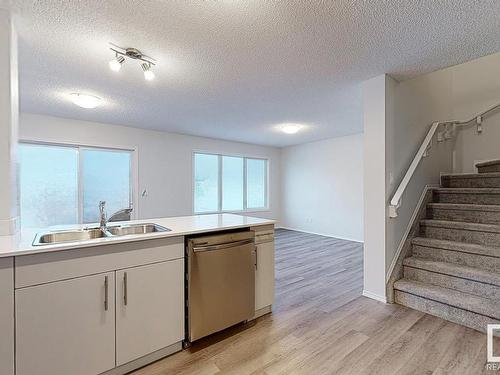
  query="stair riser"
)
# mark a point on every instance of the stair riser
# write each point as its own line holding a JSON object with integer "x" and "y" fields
{"x": 489, "y": 168}
{"x": 450, "y": 313}
{"x": 461, "y": 235}
{"x": 482, "y": 217}
{"x": 466, "y": 198}
{"x": 452, "y": 282}
{"x": 486, "y": 182}
{"x": 456, "y": 257}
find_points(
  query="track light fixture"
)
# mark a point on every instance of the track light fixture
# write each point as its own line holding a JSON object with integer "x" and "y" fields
{"x": 135, "y": 54}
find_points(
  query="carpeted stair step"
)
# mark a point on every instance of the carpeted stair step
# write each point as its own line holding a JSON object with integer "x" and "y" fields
{"x": 472, "y": 213}
{"x": 458, "y": 307}
{"x": 483, "y": 180}
{"x": 467, "y": 195}
{"x": 481, "y": 234}
{"x": 488, "y": 166}
{"x": 453, "y": 276}
{"x": 465, "y": 254}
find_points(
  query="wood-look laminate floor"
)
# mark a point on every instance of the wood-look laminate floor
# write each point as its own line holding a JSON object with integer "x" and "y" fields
{"x": 322, "y": 325}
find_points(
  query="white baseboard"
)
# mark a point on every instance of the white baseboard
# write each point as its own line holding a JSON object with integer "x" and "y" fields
{"x": 8, "y": 227}
{"x": 318, "y": 234}
{"x": 374, "y": 296}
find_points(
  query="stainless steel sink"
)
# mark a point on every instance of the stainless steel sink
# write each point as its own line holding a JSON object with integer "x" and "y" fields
{"x": 124, "y": 230}
{"x": 68, "y": 236}
{"x": 45, "y": 238}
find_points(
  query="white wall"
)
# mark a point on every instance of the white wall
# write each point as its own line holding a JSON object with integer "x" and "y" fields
{"x": 374, "y": 180}
{"x": 416, "y": 104}
{"x": 475, "y": 86}
{"x": 322, "y": 187}
{"x": 9, "y": 111}
{"x": 165, "y": 159}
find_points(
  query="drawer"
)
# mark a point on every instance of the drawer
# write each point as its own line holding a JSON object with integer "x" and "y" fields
{"x": 66, "y": 264}
{"x": 264, "y": 233}
{"x": 264, "y": 237}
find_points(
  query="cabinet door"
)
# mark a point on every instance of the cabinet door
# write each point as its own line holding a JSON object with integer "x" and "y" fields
{"x": 66, "y": 327}
{"x": 6, "y": 316}
{"x": 150, "y": 309}
{"x": 264, "y": 275}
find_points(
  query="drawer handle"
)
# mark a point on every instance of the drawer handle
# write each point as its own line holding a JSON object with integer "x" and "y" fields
{"x": 106, "y": 293}
{"x": 125, "y": 289}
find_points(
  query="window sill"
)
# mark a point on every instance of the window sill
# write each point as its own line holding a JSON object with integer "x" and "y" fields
{"x": 234, "y": 212}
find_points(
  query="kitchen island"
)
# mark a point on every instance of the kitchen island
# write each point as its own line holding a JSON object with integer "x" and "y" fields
{"x": 108, "y": 305}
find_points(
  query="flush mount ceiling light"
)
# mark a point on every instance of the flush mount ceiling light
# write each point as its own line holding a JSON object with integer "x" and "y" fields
{"x": 290, "y": 128}
{"x": 132, "y": 53}
{"x": 85, "y": 101}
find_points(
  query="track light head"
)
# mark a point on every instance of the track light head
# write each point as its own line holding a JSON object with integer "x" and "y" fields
{"x": 116, "y": 64}
{"x": 148, "y": 73}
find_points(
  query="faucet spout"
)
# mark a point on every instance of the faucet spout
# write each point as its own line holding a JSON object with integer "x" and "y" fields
{"x": 102, "y": 216}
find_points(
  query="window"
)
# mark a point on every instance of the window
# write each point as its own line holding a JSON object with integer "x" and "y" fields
{"x": 63, "y": 184}
{"x": 229, "y": 183}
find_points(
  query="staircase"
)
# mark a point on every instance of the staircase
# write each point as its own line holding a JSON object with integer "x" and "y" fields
{"x": 454, "y": 269}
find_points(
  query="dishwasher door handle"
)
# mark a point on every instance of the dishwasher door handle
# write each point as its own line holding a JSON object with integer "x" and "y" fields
{"x": 198, "y": 249}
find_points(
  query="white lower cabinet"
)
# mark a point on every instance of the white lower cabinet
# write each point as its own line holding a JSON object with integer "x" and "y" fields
{"x": 149, "y": 309}
{"x": 91, "y": 324}
{"x": 6, "y": 316}
{"x": 264, "y": 275}
{"x": 66, "y": 327}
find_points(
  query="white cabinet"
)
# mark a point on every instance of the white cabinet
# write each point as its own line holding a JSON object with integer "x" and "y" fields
{"x": 149, "y": 309}
{"x": 71, "y": 315}
{"x": 6, "y": 316}
{"x": 264, "y": 274}
{"x": 66, "y": 327}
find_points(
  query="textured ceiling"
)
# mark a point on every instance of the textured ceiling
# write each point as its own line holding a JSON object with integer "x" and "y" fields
{"x": 232, "y": 69}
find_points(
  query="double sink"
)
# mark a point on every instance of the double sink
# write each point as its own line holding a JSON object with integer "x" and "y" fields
{"x": 85, "y": 234}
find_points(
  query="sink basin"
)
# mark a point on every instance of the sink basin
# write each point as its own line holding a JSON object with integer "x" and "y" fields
{"x": 86, "y": 234}
{"x": 124, "y": 230}
{"x": 68, "y": 236}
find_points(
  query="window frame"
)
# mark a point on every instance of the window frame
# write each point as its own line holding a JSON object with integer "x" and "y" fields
{"x": 134, "y": 173}
{"x": 220, "y": 183}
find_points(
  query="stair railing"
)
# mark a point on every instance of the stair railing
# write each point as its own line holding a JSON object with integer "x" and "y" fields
{"x": 448, "y": 133}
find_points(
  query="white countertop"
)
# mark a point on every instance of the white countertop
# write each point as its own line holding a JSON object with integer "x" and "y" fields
{"x": 21, "y": 244}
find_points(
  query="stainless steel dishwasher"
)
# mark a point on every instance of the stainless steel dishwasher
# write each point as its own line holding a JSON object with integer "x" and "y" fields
{"x": 220, "y": 282}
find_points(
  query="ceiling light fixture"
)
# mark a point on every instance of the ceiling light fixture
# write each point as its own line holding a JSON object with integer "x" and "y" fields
{"x": 116, "y": 64}
{"x": 85, "y": 101}
{"x": 135, "y": 54}
{"x": 290, "y": 128}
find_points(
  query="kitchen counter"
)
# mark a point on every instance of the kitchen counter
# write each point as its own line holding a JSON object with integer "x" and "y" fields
{"x": 21, "y": 244}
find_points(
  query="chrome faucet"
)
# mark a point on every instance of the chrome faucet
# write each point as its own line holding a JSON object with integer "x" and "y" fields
{"x": 120, "y": 215}
{"x": 102, "y": 216}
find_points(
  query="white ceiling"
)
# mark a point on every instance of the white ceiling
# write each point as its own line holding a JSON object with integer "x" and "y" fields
{"x": 231, "y": 69}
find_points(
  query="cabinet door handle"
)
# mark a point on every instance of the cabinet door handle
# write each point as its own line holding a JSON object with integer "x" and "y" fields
{"x": 125, "y": 289}
{"x": 256, "y": 257}
{"x": 106, "y": 292}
